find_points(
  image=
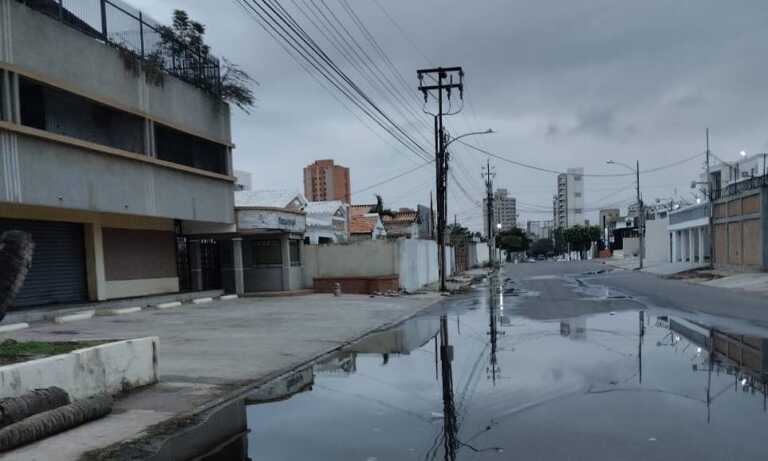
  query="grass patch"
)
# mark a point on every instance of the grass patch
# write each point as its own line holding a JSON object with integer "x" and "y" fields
{"x": 21, "y": 351}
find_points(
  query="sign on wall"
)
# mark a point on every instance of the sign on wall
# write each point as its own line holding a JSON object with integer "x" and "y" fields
{"x": 271, "y": 219}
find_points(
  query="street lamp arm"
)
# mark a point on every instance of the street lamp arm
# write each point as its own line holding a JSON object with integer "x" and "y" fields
{"x": 473, "y": 133}
{"x": 614, "y": 162}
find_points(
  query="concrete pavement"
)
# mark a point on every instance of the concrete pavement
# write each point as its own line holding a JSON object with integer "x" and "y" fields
{"x": 212, "y": 351}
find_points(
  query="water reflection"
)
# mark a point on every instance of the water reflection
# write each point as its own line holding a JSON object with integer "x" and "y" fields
{"x": 417, "y": 391}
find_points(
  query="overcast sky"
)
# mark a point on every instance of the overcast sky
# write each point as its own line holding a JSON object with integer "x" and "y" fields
{"x": 565, "y": 83}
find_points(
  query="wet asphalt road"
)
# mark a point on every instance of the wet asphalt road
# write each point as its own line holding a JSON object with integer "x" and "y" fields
{"x": 544, "y": 362}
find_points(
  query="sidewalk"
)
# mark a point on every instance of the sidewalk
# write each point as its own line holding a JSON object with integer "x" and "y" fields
{"x": 210, "y": 353}
{"x": 754, "y": 282}
{"x": 652, "y": 267}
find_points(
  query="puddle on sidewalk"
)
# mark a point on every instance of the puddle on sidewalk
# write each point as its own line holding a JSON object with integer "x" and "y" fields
{"x": 480, "y": 382}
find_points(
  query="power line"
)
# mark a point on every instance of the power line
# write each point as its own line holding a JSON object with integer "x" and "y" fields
{"x": 548, "y": 170}
{"x": 397, "y": 176}
{"x": 290, "y": 32}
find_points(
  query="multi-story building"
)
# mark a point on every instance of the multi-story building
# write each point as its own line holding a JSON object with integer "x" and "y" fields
{"x": 568, "y": 204}
{"x": 540, "y": 229}
{"x": 325, "y": 181}
{"x": 102, "y": 163}
{"x": 504, "y": 211}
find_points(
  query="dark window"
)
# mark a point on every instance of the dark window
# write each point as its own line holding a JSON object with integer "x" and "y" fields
{"x": 265, "y": 252}
{"x": 295, "y": 252}
{"x": 61, "y": 112}
{"x": 186, "y": 149}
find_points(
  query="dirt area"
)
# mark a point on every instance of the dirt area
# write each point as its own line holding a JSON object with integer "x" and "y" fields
{"x": 696, "y": 274}
{"x": 12, "y": 351}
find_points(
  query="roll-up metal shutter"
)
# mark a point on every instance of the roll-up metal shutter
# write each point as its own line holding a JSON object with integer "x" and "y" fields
{"x": 58, "y": 272}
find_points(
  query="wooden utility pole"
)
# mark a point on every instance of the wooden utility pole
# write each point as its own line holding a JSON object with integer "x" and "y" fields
{"x": 488, "y": 174}
{"x": 443, "y": 83}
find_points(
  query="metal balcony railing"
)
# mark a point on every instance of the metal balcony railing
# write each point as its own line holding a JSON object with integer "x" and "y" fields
{"x": 117, "y": 24}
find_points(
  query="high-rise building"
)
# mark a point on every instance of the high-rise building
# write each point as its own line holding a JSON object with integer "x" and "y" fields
{"x": 540, "y": 229}
{"x": 325, "y": 181}
{"x": 568, "y": 204}
{"x": 504, "y": 211}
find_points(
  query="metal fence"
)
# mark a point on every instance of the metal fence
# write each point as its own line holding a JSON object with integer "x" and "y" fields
{"x": 118, "y": 24}
{"x": 737, "y": 188}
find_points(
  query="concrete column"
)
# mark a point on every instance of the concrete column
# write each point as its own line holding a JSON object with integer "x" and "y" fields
{"x": 673, "y": 239}
{"x": 678, "y": 246}
{"x": 5, "y": 88}
{"x": 150, "y": 146}
{"x": 702, "y": 249}
{"x": 286, "y": 251}
{"x": 237, "y": 258}
{"x": 691, "y": 245}
{"x": 94, "y": 263}
{"x": 195, "y": 265}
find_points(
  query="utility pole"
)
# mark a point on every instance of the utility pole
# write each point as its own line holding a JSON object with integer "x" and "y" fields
{"x": 641, "y": 218}
{"x": 431, "y": 218}
{"x": 489, "y": 174}
{"x": 711, "y": 209}
{"x": 443, "y": 78}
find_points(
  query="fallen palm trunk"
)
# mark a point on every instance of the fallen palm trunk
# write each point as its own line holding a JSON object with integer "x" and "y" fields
{"x": 42, "y": 425}
{"x": 16, "y": 250}
{"x": 15, "y": 409}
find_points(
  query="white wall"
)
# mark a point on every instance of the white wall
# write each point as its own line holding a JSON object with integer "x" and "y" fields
{"x": 657, "y": 240}
{"x": 413, "y": 260}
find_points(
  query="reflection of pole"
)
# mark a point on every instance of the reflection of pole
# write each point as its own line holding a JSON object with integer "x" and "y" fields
{"x": 640, "y": 346}
{"x": 492, "y": 328}
{"x": 709, "y": 386}
{"x": 449, "y": 411}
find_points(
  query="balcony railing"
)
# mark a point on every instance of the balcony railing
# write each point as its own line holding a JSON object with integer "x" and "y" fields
{"x": 737, "y": 188}
{"x": 117, "y": 24}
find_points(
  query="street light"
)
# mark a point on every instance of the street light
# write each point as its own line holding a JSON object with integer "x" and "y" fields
{"x": 641, "y": 218}
{"x": 473, "y": 133}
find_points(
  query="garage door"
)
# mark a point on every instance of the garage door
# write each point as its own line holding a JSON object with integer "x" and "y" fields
{"x": 57, "y": 274}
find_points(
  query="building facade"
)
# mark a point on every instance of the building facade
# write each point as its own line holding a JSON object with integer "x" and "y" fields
{"x": 689, "y": 239}
{"x": 540, "y": 229}
{"x": 327, "y": 222}
{"x": 325, "y": 181}
{"x": 568, "y": 203}
{"x": 504, "y": 211}
{"x": 102, "y": 164}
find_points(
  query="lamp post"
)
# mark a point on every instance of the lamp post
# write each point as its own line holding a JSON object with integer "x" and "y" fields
{"x": 443, "y": 140}
{"x": 641, "y": 218}
{"x": 497, "y": 249}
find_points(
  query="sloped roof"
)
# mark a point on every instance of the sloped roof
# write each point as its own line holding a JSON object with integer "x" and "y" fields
{"x": 327, "y": 207}
{"x": 268, "y": 198}
{"x": 363, "y": 224}
{"x": 401, "y": 217}
{"x": 359, "y": 210}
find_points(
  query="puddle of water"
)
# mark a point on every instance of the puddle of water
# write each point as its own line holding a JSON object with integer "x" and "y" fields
{"x": 483, "y": 383}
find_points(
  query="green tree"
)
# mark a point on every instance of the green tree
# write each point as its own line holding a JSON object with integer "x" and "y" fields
{"x": 542, "y": 247}
{"x": 512, "y": 241}
{"x": 185, "y": 37}
{"x": 579, "y": 238}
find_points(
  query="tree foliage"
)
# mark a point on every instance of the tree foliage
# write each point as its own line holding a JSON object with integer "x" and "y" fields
{"x": 542, "y": 247}
{"x": 576, "y": 238}
{"x": 513, "y": 240}
{"x": 186, "y": 36}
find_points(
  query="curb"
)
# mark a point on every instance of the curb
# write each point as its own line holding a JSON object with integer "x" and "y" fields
{"x": 202, "y": 300}
{"x": 228, "y": 297}
{"x": 13, "y": 327}
{"x": 84, "y": 315}
{"x": 119, "y": 311}
{"x": 168, "y": 305}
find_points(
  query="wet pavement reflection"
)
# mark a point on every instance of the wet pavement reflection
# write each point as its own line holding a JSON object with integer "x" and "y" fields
{"x": 478, "y": 380}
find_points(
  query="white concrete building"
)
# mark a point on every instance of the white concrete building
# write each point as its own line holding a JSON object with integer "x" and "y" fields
{"x": 689, "y": 234}
{"x": 540, "y": 229}
{"x": 569, "y": 202}
{"x": 327, "y": 222}
{"x": 504, "y": 210}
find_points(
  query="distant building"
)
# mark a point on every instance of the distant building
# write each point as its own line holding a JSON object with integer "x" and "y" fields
{"x": 540, "y": 229}
{"x": 607, "y": 222}
{"x": 365, "y": 224}
{"x": 243, "y": 180}
{"x": 568, "y": 204}
{"x": 403, "y": 223}
{"x": 504, "y": 211}
{"x": 327, "y": 222}
{"x": 325, "y": 181}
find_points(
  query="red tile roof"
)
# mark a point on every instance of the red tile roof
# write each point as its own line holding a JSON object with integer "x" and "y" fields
{"x": 362, "y": 224}
{"x": 404, "y": 217}
{"x": 359, "y": 210}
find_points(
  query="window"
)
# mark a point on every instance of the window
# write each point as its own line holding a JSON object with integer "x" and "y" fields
{"x": 577, "y": 210}
{"x": 186, "y": 149}
{"x": 265, "y": 252}
{"x": 577, "y": 194}
{"x": 295, "y": 249}
{"x": 577, "y": 177}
